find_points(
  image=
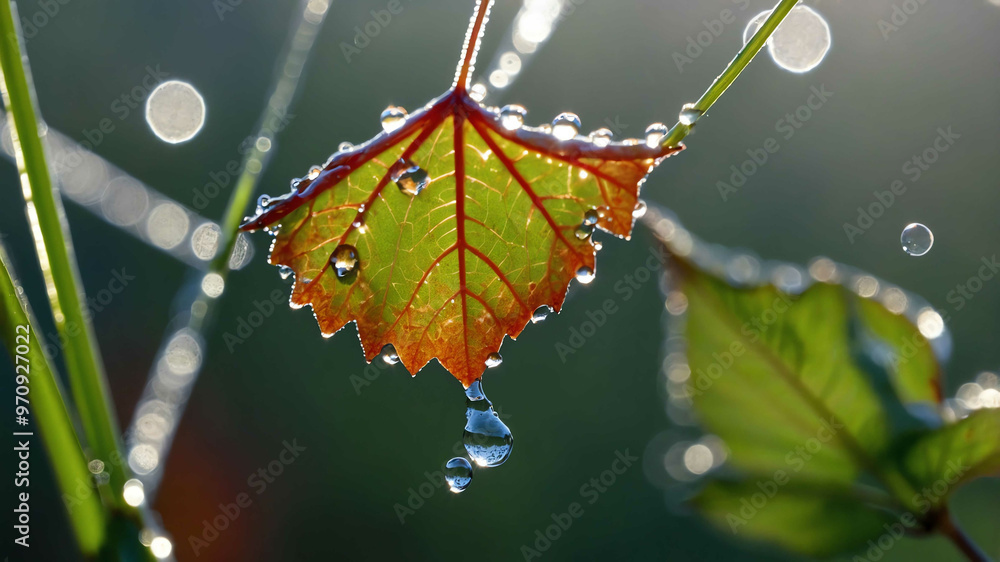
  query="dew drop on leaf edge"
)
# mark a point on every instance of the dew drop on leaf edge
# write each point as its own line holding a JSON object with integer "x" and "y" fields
{"x": 655, "y": 134}
{"x": 393, "y": 118}
{"x": 601, "y": 137}
{"x": 285, "y": 272}
{"x": 493, "y": 360}
{"x": 512, "y": 117}
{"x": 640, "y": 209}
{"x": 585, "y": 275}
{"x": 565, "y": 126}
{"x": 345, "y": 260}
{"x": 541, "y": 313}
{"x": 389, "y": 355}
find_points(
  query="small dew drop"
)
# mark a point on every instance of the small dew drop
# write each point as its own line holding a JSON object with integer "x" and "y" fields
{"x": 917, "y": 239}
{"x": 640, "y": 209}
{"x": 409, "y": 177}
{"x": 263, "y": 202}
{"x": 285, "y": 272}
{"x": 654, "y": 134}
{"x": 345, "y": 260}
{"x": 690, "y": 114}
{"x": 345, "y": 147}
{"x": 590, "y": 217}
{"x": 359, "y": 222}
{"x": 584, "y": 231}
{"x": 493, "y": 360}
{"x": 598, "y": 246}
{"x": 314, "y": 172}
{"x": 478, "y": 92}
{"x": 458, "y": 473}
{"x": 512, "y": 117}
{"x": 601, "y": 137}
{"x": 565, "y": 126}
{"x": 389, "y": 355}
{"x": 393, "y": 118}
{"x": 585, "y": 275}
{"x": 540, "y": 314}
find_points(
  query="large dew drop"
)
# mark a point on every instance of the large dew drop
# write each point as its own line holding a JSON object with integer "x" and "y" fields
{"x": 487, "y": 439}
{"x": 393, "y": 118}
{"x": 345, "y": 260}
{"x": 512, "y": 117}
{"x": 565, "y": 126}
{"x": 689, "y": 114}
{"x": 493, "y": 360}
{"x": 410, "y": 178}
{"x": 917, "y": 239}
{"x": 655, "y": 134}
{"x": 585, "y": 275}
{"x": 458, "y": 473}
{"x": 541, "y": 313}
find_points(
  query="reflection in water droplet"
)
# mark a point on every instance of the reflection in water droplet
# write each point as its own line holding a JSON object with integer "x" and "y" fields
{"x": 584, "y": 231}
{"x": 487, "y": 439}
{"x": 689, "y": 114}
{"x": 541, "y": 313}
{"x": 345, "y": 260}
{"x": 345, "y": 147}
{"x": 512, "y": 117}
{"x": 565, "y": 126}
{"x": 409, "y": 177}
{"x": 175, "y": 111}
{"x": 917, "y": 239}
{"x": 654, "y": 134}
{"x": 493, "y": 360}
{"x": 640, "y": 209}
{"x": 393, "y": 118}
{"x": 285, "y": 272}
{"x": 458, "y": 473}
{"x": 585, "y": 275}
{"x": 314, "y": 172}
{"x": 591, "y": 217}
{"x": 478, "y": 92}
{"x": 389, "y": 355}
{"x": 601, "y": 137}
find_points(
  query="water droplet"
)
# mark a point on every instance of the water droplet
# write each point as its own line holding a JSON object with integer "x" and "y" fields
{"x": 640, "y": 209}
{"x": 345, "y": 147}
{"x": 285, "y": 272}
{"x": 601, "y": 137}
{"x": 389, "y": 355}
{"x": 487, "y": 439}
{"x": 585, "y": 275}
{"x": 565, "y": 126}
{"x": 655, "y": 133}
{"x": 512, "y": 117}
{"x": 345, "y": 260}
{"x": 314, "y": 172}
{"x": 478, "y": 92}
{"x": 541, "y": 313}
{"x": 690, "y": 114}
{"x": 584, "y": 231}
{"x": 917, "y": 239}
{"x": 598, "y": 246}
{"x": 393, "y": 118}
{"x": 409, "y": 177}
{"x": 493, "y": 360}
{"x": 359, "y": 222}
{"x": 590, "y": 217}
{"x": 458, "y": 473}
{"x": 263, "y": 202}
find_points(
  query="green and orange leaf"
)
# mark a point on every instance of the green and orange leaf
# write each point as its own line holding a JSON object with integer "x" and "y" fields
{"x": 460, "y": 227}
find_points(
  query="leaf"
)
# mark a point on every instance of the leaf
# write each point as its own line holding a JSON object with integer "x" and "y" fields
{"x": 827, "y": 401}
{"x": 452, "y": 228}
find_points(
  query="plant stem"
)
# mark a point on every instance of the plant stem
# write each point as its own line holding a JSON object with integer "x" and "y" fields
{"x": 55, "y": 254}
{"x": 736, "y": 66}
{"x": 86, "y": 515}
{"x": 950, "y": 529}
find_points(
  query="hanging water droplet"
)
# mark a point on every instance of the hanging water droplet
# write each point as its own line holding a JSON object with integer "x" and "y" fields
{"x": 917, "y": 239}
{"x": 601, "y": 137}
{"x": 512, "y": 117}
{"x": 565, "y": 126}
{"x": 478, "y": 92}
{"x": 345, "y": 260}
{"x": 314, "y": 172}
{"x": 654, "y": 134}
{"x": 690, "y": 114}
{"x": 584, "y": 231}
{"x": 486, "y": 438}
{"x": 640, "y": 209}
{"x": 345, "y": 147}
{"x": 541, "y": 313}
{"x": 585, "y": 275}
{"x": 393, "y": 118}
{"x": 590, "y": 217}
{"x": 458, "y": 473}
{"x": 285, "y": 272}
{"x": 493, "y": 360}
{"x": 409, "y": 177}
{"x": 389, "y": 355}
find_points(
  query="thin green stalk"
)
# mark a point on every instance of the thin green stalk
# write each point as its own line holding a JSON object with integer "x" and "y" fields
{"x": 728, "y": 76}
{"x": 19, "y": 331}
{"x": 83, "y": 363}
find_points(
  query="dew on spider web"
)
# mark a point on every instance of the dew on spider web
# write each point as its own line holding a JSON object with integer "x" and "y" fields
{"x": 565, "y": 126}
{"x": 800, "y": 43}
{"x": 917, "y": 239}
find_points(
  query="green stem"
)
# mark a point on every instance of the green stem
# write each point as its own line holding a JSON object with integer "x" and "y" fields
{"x": 728, "y": 76}
{"x": 50, "y": 415}
{"x": 950, "y": 529}
{"x": 83, "y": 364}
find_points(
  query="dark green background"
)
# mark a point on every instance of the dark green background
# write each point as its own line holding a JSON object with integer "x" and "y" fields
{"x": 608, "y": 60}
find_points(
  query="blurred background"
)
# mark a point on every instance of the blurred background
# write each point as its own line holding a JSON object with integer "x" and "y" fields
{"x": 368, "y": 446}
